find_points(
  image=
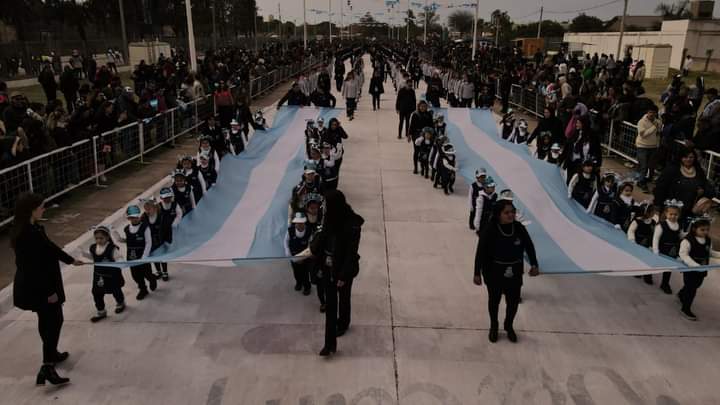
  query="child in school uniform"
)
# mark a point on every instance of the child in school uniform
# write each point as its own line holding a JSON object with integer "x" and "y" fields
{"x": 624, "y": 205}
{"x": 484, "y": 204}
{"x": 237, "y": 137}
{"x": 183, "y": 192}
{"x": 554, "y": 155}
{"x": 153, "y": 218}
{"x": 435, "y": 158}
{"x": 312, "y": 137}
{"x": 106, "y": 280}
{"x": 424, "y": 145}
{"x": 508, "y": 124}
{"x": 297, "y": 239}
{"x": 212, "y": 154}
{"x": 138, "y": 238}
{"x": 695, "y": 251}
{"x": 474, "y": 192}
{"x": 171, "y": 214}
{"x": 440, "y": 125}
{"x": 447, "y": 169}
{"x": 192, "y": 176}
{"x": 544, "y": 146}
{"x": 667, "y": 237}
{"x": 583, "y": 184}
{"x": 603, "y": 199}
{"x": 207, "y": 172}
{"x": 520, "y": 134}
{"x": 641, "y": 230}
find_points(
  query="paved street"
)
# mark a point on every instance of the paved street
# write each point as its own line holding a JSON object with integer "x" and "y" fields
{"x": 419, "y": 329}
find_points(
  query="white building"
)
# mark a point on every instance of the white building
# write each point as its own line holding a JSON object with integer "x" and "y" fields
{"x": 699, "y": 38}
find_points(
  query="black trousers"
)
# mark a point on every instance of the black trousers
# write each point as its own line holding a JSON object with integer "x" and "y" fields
{"x": 50, "y": 320}
{"x": 338, "y": 83}
{"x": 693, "y": 280}
{"x": 350, "y": 104}
{"x": 511, "y": 289}
{"x": 337, "y": 312}
{"x": 466, "y": 102}
{"x": 142, "y": 273}
{"x": 376, "y": 101}
{"x": 416, "y": 155}
{"x": 301, "y": 271}
{"x": 404, "y": 118}
{"x": 471, "y": 221}
{"x": 666, "y": 278}
{"x": 99, "y": 297}
{"x": 161, "y": 268}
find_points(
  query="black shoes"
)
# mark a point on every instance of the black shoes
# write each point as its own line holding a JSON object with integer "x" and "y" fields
{"x": 322, "y": 308}
{"x": 512, "y": 336}
{"x": 99, "y": 317}
{"x": 165, "y": 277}
{"x": 120, "y": 308}
{"x": 306, "y": 291}
{"x": 141, "y": 295}
{"x": 325, "y": 352}
{"x": 493, "y": 335}
{"x": 688, "y": 314}
{"x": 341, "y": 332}
{"x": 415, "y": 171}
{"x": 666, "y": 288}
{"x": 153, "y": 283}
{"x": 298, "y": 287}
{"x": 48, "y": 373}
{"x": 648, "y": 279}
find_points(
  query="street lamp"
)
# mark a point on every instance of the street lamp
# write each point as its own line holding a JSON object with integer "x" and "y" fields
{"x": 191, "y": 36}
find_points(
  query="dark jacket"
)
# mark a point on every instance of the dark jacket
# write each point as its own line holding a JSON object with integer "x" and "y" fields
{"x": 346, "y": 260}
{"x": 325, "y": 99}
{"x": 294, "y": 98}
{"x": 552, "y": 125}
{"x": 38, "y": 269}
{"x": 406, "y": 102}
{"x": 376, "y": 86}
{"x": 484, "y": 254}
{"x": 418, "y": 121}
{"x": 672, "y": 184}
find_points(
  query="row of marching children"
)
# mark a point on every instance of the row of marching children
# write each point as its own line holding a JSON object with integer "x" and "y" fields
{"x": 656, "y": 226}
{"x": 151, "y": 222}
{"x": 321, "y": 173}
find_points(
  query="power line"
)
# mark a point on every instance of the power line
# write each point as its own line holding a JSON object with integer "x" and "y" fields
{"x": 584, "y": 9}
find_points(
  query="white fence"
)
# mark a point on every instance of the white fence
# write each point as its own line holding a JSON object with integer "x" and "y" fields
{"x": 62, "y": 170}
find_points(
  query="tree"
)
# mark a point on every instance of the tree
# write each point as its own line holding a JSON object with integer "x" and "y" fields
{"x": 433, "y": 21}
{"x": 586, "y": 23}
{"x": 502, "y": 25}
{"x": 73, "y": 13}
{"x": 677, "y": 11}
{"x": 461, "y": 21}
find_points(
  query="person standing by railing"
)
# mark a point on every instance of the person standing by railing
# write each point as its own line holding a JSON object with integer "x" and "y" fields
{"x": 646, "y": 143}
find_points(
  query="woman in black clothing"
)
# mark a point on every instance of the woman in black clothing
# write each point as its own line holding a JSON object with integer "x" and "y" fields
{"x": 336, "y": 248}
{"x": 376, "y": 89}
{"x": 549, "y": 123}
{"x": 419, "y": 119}
{"x": 499, "y": 259}
{"x": 686, "y": 182}
{"x": 38, "y": 284}
{"x": 584, "y": 145}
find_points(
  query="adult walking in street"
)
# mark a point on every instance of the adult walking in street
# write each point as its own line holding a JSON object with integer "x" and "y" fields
{"x": 336, "y": 249}
{"x": 69, "y": 85}
{"x": 350, "y": 90}
{"x": 38, "y": 284}
{"x": 499, "y": 259}
{"x": 405, "y": 105}
{"x": 48, "y": 83}
{"x": 376, "y": 89}
{"x": 339, "y": 73}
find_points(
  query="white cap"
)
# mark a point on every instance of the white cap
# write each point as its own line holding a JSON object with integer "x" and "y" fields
{"x": 299, "y": 218}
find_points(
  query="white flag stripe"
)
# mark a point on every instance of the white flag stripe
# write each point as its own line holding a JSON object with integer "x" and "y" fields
{"x": 587, "y": 250}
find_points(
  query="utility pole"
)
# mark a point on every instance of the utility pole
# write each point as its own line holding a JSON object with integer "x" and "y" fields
{"x": 407, "y": 25}
{"x": 279, "y": 23}
{"x": 305, "y": 24}
{"x": 541, "y": 20}
{"x": 425, "y": 25}
{"x": 620, "y": 57}
{"x": 126, "y": 48}
{"x": 497, "y": 31}
{"x": 477, "y": 12}
{"x": 191, "y": 36}
{"x": 330, "y": 20}
{"x": 214, "y": 27}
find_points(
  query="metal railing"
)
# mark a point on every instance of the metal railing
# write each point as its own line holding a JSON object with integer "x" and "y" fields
{"x": 62, "y": 170}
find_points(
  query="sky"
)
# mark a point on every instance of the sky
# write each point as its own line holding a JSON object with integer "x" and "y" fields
{"x": 519, "y": 10}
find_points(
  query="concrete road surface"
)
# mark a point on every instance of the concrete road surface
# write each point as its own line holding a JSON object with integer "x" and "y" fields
{"x": 419, "y": 329}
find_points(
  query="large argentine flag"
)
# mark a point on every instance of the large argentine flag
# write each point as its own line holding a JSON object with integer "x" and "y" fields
{"x": 567, "y": 239}
{"x": 244, "y": 216}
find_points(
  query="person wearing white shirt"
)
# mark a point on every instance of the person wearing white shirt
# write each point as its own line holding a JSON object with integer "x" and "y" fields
{"x": 695, "y": 251}
{"x": 138, "y": 238}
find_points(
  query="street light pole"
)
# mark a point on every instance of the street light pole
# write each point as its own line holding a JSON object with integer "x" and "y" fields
{"x": 255, "y": 29}
{"x": 425, "y": 25}
{"x": 330, "y": 20}
{"x": 191, "y": 36}
{"x": 214, "y": 27}
{"x": 126, "y": 49}
{"x": 540, "y": 22}
{"x": 477, "y": 12}
{"x": 305, "y": 24}
{"x": 618, "y": 56}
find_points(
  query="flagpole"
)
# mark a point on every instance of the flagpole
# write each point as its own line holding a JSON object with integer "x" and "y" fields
{"x": 477, "y": 12}
{"x": 305, "y": 24}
